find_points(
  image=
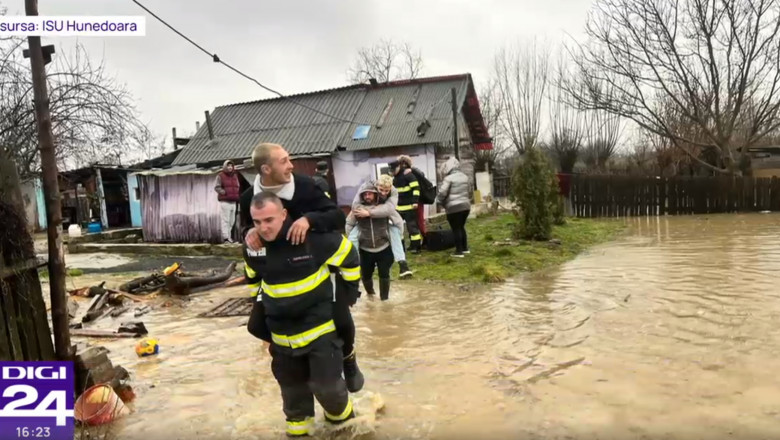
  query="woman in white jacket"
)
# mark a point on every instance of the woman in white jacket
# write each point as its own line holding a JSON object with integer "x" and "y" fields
{"x": 455, "y": 196}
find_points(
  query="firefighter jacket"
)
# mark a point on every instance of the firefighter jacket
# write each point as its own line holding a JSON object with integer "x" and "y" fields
{"x": 254, "y": 267}
{"x": 297, "y": 291}
{"x": 408, "y": 190}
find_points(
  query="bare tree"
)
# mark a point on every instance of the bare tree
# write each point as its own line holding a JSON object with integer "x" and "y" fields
{"x": 640, "y": 158}
{"x": 567, "y": 124}
{"x": 93, "y": 117}
{"x": 386, "y": 61}
{"x": 717, "y": 62}
{"x": 144, "y": 144}
{"x": 490, "y": 106}
{"x": 603, "y": 134}
{"x": 522, "y": 77}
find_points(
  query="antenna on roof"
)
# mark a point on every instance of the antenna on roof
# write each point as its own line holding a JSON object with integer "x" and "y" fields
{"x": 373, "y": 82}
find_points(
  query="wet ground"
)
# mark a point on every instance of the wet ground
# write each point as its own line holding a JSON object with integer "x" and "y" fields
{"x": 104, "y": 263}
{"x": 668, "y": 332}
{"x": 112, "y": 264}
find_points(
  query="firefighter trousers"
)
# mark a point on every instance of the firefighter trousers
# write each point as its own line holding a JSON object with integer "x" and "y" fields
{"x": 342, "y": 317}
{"x": 415, "y": 237}
{"x": 314, "y": 374}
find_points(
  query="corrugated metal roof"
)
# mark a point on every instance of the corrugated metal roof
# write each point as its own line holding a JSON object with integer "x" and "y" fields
{"x": 399, "y": 128}
{"x": 181, "y": 170}
{"x": 239, "y": 127}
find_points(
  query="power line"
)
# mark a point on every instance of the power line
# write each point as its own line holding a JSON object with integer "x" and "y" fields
{"x": 216, "y": 59}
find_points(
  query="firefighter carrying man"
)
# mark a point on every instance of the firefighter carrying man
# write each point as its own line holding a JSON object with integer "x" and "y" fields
{"x": 297, "y": 296}
{"x": 408, "y": 197}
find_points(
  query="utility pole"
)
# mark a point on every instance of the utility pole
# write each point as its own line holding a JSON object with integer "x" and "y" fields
{"x": 59, "y": 305}
{"x": 455, "y": 137}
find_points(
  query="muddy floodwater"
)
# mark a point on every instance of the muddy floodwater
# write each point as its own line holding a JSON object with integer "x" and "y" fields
{"x": 672, "y": 331}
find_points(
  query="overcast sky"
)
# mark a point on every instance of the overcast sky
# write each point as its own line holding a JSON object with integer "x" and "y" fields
{"x": 295, "y": 46}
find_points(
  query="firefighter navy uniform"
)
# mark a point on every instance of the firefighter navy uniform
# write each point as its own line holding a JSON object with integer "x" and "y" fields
{"x": 343, "y": 299}
{"x": 297, "y": 296}
{"x": 409, "y": 195}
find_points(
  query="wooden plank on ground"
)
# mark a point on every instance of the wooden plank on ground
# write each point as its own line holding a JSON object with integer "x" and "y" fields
{"x": 231, "y": 307}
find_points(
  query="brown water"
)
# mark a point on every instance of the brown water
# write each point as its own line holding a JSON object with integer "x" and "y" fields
{"x": 668, "y": 332}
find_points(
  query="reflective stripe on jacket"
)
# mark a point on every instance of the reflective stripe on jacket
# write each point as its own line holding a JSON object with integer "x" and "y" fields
{"x": 297, "y": 290}
{"x": 408, "y": 190}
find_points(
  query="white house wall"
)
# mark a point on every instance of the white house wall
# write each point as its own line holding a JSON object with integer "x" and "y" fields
{"x": 353, "y": 168}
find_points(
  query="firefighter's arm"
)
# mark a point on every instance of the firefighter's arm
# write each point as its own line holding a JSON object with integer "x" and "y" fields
{"x": 253, "y": 278}
{"x": 343, "y": 255}
{"x": 257, "y": 326}
{"x": 414, "y": 185}
{"x": 244, "y": 202}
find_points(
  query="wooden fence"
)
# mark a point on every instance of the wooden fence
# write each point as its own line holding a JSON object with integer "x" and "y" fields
{"x": 24, "y": 327}
{"x": 621, "y": 196}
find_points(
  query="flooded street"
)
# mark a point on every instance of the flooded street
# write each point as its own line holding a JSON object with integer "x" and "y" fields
{"x": 670, "y": 331}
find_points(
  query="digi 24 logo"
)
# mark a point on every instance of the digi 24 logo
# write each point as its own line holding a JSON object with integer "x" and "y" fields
{"x": 36, "y": 400}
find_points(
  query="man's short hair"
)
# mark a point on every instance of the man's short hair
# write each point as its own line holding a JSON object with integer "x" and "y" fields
{"x": 384, "y": 181}
{"x": 260, "y": 199}
{"x": 406, "y": 160}
{"x": 261, "y": 155}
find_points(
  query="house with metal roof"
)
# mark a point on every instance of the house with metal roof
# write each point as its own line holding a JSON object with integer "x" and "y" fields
{"x": 357, "y": 129}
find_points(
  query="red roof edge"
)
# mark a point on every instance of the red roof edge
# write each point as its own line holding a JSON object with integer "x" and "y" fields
{"x": 472, "y": 113}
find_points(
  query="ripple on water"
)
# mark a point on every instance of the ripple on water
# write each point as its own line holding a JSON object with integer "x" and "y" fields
{"x": 672, "y": 326}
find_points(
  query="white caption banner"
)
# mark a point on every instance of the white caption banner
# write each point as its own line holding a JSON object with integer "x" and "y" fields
{"x": 73, "y": 26}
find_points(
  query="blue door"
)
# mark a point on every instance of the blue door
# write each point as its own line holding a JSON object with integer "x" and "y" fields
{"x": 134, "y": 194}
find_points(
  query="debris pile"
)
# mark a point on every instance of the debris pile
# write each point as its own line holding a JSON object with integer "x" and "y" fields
{"x": 176, "y": 282}
{"x": 116, "y": 303}
{"x": 104, "y": 386}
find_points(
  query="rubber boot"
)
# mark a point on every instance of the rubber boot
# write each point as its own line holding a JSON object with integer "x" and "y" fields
{"x": 384, "y": 289}
{"x": 352, "y": 374}
{"x": 300, "y": 429}
{"x": 368, "y": 284}
{"x": 404, "y": 271}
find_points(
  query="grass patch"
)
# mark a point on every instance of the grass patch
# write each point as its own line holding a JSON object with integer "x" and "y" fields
{"x": 44, "y": 273}
{"x": 490, "y": 262}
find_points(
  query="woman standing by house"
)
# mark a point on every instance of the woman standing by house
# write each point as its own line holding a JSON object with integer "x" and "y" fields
{"x": 228, "y": 190}
{"x": 455, "y": 196}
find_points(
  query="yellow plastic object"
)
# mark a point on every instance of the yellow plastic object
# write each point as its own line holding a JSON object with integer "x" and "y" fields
{"x": 147, "y": 347}
{"x": 171, "y": 269}
{"x": 477, "y": 196}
